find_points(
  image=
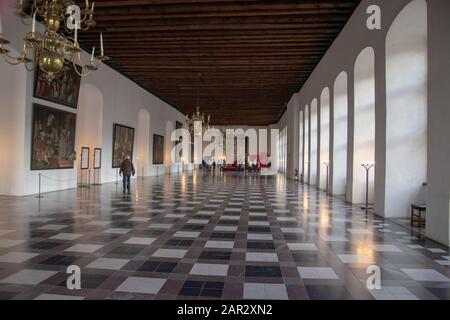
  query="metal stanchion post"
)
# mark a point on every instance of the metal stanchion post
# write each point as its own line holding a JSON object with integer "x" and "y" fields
{"x": 40, "y": 182}
{"x": 367, "y": 167}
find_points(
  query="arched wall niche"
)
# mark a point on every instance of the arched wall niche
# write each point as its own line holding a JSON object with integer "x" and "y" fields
{"x": 324, "y": 157}
{"x": 301, "y": 142}
{"x": 307, "y": 144}
{"x": 168, "y": 147}
{"x": 143, "y": 143}
{"x": 89, "y": 129}
{"x": 313, "y": 161}
{"x": 406, "y": 110}
{"x": 340, "y": 136}
{"x": 364, "y": 125}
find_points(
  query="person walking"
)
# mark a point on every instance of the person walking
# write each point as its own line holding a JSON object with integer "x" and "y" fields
{"x": 127, "y": 170}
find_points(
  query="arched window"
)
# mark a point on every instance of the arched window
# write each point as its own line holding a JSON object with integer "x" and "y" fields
{"x": 364, "y": 125}
{"x": 89, "y": 127}
{"x": 340, "y": 135}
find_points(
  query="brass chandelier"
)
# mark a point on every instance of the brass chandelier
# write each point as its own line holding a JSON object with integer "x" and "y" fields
{"x": 51, "y": 51}
{"x": 197, "y": 119}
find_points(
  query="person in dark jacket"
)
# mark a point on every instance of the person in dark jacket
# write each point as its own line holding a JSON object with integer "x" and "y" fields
{"x": 127, "y": 170}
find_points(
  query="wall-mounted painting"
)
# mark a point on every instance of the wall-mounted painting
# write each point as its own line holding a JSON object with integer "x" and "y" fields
{"x": 53, "y": 139}
{"x": 123, "y": 144}
{"x": 64, "y": 89}
{"x": 158, "y": 149}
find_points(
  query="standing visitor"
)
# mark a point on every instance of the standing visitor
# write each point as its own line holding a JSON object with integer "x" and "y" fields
{"x": 127, "y": 169}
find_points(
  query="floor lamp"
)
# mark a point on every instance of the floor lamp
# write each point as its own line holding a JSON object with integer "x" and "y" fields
{"x": 367, "y": 166}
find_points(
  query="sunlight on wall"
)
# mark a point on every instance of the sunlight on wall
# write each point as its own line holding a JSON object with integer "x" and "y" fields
{"x": 340, "y": 136}
{"x": 364, "y": 129}
{"x": 406, "y": 107}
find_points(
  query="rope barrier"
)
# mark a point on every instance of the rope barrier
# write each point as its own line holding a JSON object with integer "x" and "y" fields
{"x": 58, "y": 180}
{"x": 51, "y": 179}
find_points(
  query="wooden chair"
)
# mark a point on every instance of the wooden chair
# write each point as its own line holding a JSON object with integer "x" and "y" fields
{"x": 419, "y": 208}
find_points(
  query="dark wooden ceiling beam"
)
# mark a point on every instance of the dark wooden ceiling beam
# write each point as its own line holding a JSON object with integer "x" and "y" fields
{"x": 242, "y": 59}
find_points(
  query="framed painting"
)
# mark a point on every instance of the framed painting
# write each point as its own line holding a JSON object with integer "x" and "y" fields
{"x": 123, "y": 144}
{"x": 97, "y": 158}
{"x": 53, "y": 139}
{"x": 64, "y": 89}
{"x": 84, "y": 158}
{"x": 158, "y": 149}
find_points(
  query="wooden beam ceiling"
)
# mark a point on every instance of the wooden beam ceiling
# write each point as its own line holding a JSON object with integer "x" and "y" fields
{"x": 242, "y": 60}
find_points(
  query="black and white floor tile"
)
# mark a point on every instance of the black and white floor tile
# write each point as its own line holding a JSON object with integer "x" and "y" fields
{"x": 210, "y": 237}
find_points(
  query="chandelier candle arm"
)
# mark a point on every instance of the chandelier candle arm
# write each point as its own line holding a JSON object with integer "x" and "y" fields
{"x": 53, "y": 50}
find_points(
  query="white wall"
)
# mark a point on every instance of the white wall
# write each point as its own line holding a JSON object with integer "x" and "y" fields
{"x": 340, "y": 136}
{"x": 12, "y": 128}
{"x": 406, "y": 110}
{"x": 364, "y": 125}
{"x": 89, "y": 128}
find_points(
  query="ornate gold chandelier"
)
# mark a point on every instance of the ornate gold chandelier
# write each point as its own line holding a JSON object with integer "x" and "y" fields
{"x": 52, "y": 51}
{"x": 197, "y": 119}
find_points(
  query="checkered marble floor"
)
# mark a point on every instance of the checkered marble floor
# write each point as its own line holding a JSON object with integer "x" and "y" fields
{"x": 210, "y": 237}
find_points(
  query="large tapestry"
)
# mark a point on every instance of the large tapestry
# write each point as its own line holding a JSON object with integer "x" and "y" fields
{"x": 64, "y": 89}
{"x": 123, "y": 143}
{"x": 158, "y": 149}
{"x": 53, "y": 139}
